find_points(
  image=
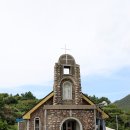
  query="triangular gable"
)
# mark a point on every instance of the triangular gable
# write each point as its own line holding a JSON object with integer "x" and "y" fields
{"x": 27, "y": 114}
{"x": 104, "y": 115}
{"x": 87, "y": 99}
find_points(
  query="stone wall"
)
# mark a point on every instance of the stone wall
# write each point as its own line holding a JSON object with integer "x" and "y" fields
{"x": 54, "y": 118}
{"x": 39, "y": 113}
{"x": 22, "y": 125}
{"x": 74, "y": 78}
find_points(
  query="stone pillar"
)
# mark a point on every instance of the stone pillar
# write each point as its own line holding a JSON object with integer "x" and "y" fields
{"x": 78, "y": 94}
{"x": 56, "y": 87}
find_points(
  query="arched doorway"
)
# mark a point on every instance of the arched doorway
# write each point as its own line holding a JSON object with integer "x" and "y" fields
{"x": 71, "y": 124}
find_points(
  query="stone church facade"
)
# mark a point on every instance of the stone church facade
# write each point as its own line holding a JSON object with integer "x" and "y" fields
{"x": 66, "y": 107}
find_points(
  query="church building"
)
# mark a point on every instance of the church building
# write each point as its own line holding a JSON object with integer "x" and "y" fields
{"x": 66, "y": 107}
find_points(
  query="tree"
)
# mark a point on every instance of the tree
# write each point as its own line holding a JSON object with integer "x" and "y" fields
{"x": 117, "y": 113}
{"x": 3, "y": 125}
{"x": 1, "y": 106}
{"x": 97, "y": 100}
{"x": 28, "y": 95}
{"x": 10, "y": 100}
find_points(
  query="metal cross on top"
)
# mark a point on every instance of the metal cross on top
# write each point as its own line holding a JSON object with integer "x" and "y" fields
{"x": 65, "y": 53}
{"x": 65, "y": 49}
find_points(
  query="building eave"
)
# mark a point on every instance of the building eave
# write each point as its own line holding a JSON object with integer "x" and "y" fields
{"x": 104, "y": 115}
{"x": 28, "y": 113}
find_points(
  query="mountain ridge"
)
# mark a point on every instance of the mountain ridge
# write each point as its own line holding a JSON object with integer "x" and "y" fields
{"x": 124, "y": 103}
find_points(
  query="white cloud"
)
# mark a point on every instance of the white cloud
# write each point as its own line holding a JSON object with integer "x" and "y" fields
{"x": 32, "y": 33}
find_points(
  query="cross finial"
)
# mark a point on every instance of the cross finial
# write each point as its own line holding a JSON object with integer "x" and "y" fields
{"x": 65, "y": 52}
{"x": 65, "y": 49}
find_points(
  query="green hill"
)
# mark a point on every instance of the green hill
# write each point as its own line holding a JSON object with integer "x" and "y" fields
{"x": 124, "y": 103}
{"x": 12, "y": 107}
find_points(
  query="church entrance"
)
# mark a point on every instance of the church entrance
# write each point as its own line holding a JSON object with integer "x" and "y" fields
{"x": 70, "y": 124}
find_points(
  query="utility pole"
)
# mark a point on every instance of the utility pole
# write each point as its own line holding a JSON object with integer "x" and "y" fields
{"x": 116, "y": 123}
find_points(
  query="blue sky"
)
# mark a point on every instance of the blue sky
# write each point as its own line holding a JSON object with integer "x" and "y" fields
{"x": 32, "y": 34}
{"x": 115, "y": 86}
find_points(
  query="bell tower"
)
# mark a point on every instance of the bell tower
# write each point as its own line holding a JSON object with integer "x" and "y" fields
{"x": 67, "y": 84}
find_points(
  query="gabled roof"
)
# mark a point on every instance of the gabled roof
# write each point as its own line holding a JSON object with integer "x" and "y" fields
{"x": 50, "y": 95}
{"x": 28, "y": 113}
{"x": 104, "y": 115}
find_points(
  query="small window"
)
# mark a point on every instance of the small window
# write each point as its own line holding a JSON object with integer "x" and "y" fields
{"x": 66, "y": 70}
{"x": 37, "y": 124}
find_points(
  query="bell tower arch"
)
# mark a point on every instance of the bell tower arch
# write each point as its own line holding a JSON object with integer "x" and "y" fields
{"x": 67, "y": 84}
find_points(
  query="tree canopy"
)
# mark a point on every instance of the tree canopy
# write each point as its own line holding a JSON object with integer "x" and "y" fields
{"x": 12, "y": 107}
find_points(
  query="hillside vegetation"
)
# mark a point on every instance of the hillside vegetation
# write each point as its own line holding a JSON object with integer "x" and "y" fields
{"x": 114, "y": 111}
{"x": 124, "y": 103}
{"x": 12, "y": 107}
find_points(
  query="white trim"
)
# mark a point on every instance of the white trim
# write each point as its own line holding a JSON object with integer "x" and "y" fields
{"x": 73, "y": 118}
{"x": 27, "y": 124}
{"x": 39, "y": 123}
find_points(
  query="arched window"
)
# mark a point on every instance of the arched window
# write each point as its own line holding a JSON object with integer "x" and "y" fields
{"x": 67, "y": 90}
{"x": 37, "y": 123}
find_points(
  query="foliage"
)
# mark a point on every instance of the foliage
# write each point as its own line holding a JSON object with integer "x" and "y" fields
{"x": 10, "y": 100}
{"x": 26, "y": 105}
{"x": 3, "y": 125}
{"x": 97, "y": 100}
{"x": 124, "y": 103}
{"x": 114, "y": 111}
{"x": 122, "y": 117}
{"x": 13, "y": 127}
{"x": 27, "y": 95}
{"x": 12, "y": 107}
